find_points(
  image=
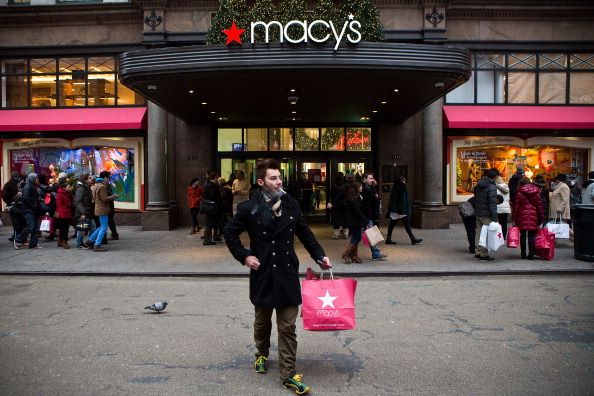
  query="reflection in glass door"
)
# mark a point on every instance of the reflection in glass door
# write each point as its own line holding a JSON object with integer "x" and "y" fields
{"x": 311, "y": 188}
{"x": 229, "y": 166}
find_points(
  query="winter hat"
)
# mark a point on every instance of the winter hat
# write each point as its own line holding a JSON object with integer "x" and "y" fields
{"x": 31, "y": 177}
{"x": 62, "y": 175}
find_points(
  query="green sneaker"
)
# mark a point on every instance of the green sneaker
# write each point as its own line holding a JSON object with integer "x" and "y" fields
{"x": 260, "y": 364}
{"x": 296, "y": 385}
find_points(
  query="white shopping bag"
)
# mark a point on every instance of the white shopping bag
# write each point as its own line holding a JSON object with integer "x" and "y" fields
{"x": 560, "y": 229}
{"x": 491, "y": 237}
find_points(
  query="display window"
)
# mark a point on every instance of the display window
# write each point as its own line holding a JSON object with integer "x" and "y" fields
{"x": 49, "y": 157}
{"x": 549, "y": 156}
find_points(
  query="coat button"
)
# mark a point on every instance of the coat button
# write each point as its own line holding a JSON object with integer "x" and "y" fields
{"x": 288, "y": 242}
{"x": 288, "y": 265}
{"x": 287, "y": 253}
{"x": 273, "y": 253}
{"x": 290, "y": 229}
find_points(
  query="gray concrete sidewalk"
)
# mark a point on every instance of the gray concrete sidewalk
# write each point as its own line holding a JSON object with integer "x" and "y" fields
{"x": 176, "y": 253}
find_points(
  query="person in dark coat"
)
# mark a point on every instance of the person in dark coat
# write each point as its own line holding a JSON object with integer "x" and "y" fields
{"x": 513, "y": 183}
{"x": 31, "y": 213}
{"x": 337, "y": 213}
{"x": 272, "y": 219}
{"x": 83, "y": 208}
{"x": 399, "y": 209}
{"x": 9, "y": 193}
{"x": 111, "y": 217}
{"x": 485, "y": 209}
{"x": 212, "y": 192}
{"x": 540, "y": 182}
{"x": 528, "y": 215}
{"x": 355, "y": 220}
{"x": 371, "y": 210}
{"x": 469, "y": 220}
{"x": 63, "y": 215}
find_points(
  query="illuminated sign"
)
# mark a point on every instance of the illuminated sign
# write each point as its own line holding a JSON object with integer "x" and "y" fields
{"x": 350, "y": 31}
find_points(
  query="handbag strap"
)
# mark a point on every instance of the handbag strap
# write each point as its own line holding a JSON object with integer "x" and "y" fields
{"x": 331, "y": 274}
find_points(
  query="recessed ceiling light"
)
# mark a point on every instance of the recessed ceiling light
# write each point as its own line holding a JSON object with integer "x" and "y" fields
{"x": 204, "y": 103}
{"x": 292, "y": 89}
{"x": 396, "y": 90}
{"x": 151, "y": 87}
{"x": 191, "y": 91}
{"x": 439, "y": 84}
{"x": 213, "y": 112}
{"x": 384, "y": 102}
{"x": 294, "y": 112}
{"x": 374, "y": 111}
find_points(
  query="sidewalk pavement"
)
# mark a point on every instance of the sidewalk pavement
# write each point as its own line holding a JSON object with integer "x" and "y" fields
{"x": 177, "y": 253}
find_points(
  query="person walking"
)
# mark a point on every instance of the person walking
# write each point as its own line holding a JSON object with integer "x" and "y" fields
{"x": 399, "y": 209}
{"x": 31, "y": 211}
{"x": 559, "y": 199}
{"x": 226, "y": 208}
{"x": 503, "y": 207}
{"x": 513, "y": 183}
{"x": 105, "y": 175}
{"x": 83, "y": 208}
{"x": 272, "y": 219}
{"x": 195, "y": 192}
{"x": 355, "y": 220}
{"x": 337, "y": 212}
{"x": 63, "y": 215}
{"x": 588, "y": 190}
{"x": 212, "y": 193}
{"x": 102, "y": 210}
{"x": 240, "y": 189}
{"x": 485, "y": 209}
{"x": 9, "y": 193}
{"x": 528, "y": 215}
{"x": 370, "y": 208}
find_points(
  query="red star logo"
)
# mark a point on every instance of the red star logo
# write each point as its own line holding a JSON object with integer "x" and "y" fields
{"x": 233, "y": 34}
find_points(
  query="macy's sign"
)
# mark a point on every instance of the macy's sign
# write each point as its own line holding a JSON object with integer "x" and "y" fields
{"x": 350, "y": 28}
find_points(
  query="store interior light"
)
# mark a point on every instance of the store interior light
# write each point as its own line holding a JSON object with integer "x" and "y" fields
{"x": 384, "y": 102}
{"x": 374, "y": 111}
{"x": 191, "y": 91}
{"x": 396, "y": 90}
{"x": 204, "y": 103}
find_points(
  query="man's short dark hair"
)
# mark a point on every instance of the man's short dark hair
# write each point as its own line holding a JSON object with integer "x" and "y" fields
{"x": 561, "y": 177}
{"x": 367, "y": 174}
{"x": 104, "y": 174}
{"x": 211, "y": 174}
{"x": 591, "y": 175}
{"x": 492, "y": 173}
{"x": 264, "y": 165}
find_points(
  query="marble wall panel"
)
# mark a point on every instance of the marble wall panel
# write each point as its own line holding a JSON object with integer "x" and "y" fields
{"x": 187, "y": 21}
{"x": 463, "y": 29}
{"x": 573, "y": 30}
{"x": 70, "y": 35}
{"x": 516, "y": 30}
{"x": 401, "y": 18}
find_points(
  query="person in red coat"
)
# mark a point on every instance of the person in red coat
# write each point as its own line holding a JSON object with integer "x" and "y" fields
{"x": 63, "y": 213}
{"x": 528, "y": 215}
{"x": 195, "y": 192}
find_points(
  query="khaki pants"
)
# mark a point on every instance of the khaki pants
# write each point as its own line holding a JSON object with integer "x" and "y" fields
{"x": 287, "y": 338}
{"x": 480, "y": 222}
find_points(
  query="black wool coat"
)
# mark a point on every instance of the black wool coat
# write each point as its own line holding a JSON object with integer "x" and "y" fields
{"x": 276, "y": 282}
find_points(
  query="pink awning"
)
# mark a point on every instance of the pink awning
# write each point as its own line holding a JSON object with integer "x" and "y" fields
{"x": 84, "y": 119}
{"x": 519, "y": 117}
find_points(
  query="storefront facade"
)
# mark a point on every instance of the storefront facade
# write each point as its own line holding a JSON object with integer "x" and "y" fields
{"x": 319, "y": 109}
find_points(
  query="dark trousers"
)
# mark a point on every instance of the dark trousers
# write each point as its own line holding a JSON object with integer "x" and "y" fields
{"x": 531, "y": 236}
{"x": 502, "y": 218}
{"x": 287, "y": 337}
{"x": 470, "y": 226}
{"x": 62, "y": 225}
{"x": 405, "y": 221}
{"x": 31, "y": 228}
{"x": 194, "y": 216}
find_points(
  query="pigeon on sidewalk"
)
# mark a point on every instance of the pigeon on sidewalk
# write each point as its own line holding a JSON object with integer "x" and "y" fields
{"x": 158, "y": 306}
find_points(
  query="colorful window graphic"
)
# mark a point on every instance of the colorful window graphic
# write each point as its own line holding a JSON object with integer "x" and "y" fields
{"x": 50, "y": 161}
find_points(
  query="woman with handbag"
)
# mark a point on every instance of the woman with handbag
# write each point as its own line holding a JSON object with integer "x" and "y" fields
{"x": 63, "y": 213}
{"x": 399, "y": 209}
{"x": 528, "y": 215}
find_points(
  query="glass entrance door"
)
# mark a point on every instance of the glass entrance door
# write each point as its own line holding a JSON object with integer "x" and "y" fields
{"x": 312, "y": 187}
{"x": 229, "y": 167}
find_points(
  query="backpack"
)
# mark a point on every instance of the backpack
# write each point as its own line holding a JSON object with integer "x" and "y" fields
{"x": 466, "y": 209}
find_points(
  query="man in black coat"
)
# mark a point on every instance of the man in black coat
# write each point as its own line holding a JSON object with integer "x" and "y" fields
{"x": 31, "y": 213}
{"x": 485, "y": 209}
{"x": 272, "y": 219}
{"x": 212, "y": 193}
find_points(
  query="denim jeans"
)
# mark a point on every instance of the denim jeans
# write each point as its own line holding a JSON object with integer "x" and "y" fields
{"x": 31, "y": 227}
{"x": 80, "y": 234}
{"x": 97, "y": 236}
{"x": 375, "y": 252}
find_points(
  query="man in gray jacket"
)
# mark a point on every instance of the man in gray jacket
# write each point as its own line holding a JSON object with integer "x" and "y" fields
{"x": 485, "y": 208}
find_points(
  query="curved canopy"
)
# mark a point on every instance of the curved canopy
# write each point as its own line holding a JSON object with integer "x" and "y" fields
{"x": 282, "y": 83}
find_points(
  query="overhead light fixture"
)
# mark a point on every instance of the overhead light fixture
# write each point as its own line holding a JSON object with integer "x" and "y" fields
{"x": 374, "y": 111}
{"x": 222, "y": 118}
{"x": 151, "y": 87}
{"x": 294, "y": 112}
{"x": 204, "y": 103}
{"x": 396, "y": 90}
{"x": 364, "y": 118}
{"x": 293, "y": 99}
{"x": 191, "y": 91}
{"x": 384, "y": 102}
{"x": 292, "y": 90}
{"x": 213, "y": 112}
{"x": 439, "y": 85}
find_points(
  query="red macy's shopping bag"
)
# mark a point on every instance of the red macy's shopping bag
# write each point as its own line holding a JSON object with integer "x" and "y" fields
{"x": 328, "y": 304}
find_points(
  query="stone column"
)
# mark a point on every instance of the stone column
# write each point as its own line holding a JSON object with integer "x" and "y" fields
{"x": 433, "y": 213}
{"x": 157, "y": 216}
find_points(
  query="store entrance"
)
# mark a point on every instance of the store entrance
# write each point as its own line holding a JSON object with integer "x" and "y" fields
{"x": 309, "y": 180}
